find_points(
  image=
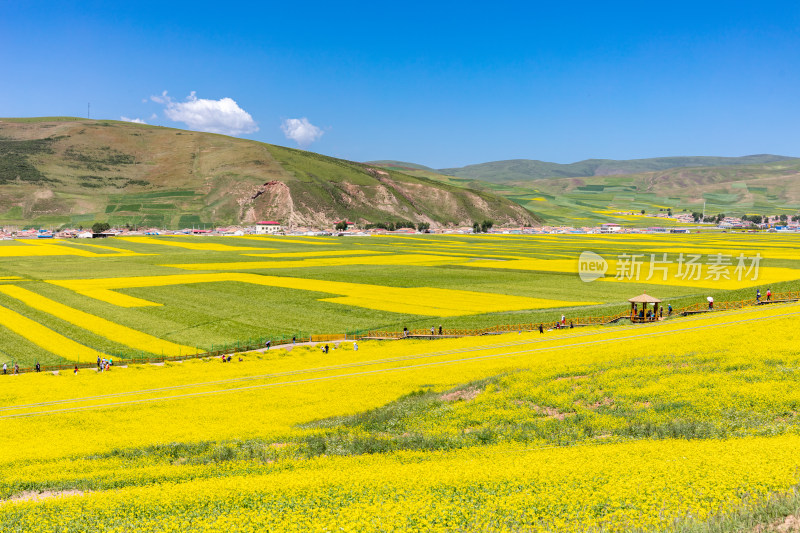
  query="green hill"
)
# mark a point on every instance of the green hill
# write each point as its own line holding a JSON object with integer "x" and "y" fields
{"x": 518, "y": 170}
{"x": 64, "y": 171}
{"x": 764, "y": 188}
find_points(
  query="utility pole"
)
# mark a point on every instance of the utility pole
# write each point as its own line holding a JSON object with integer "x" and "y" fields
{"x": 704, "y": 211}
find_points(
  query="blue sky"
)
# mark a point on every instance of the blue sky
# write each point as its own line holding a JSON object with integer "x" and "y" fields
{"x": 444, "y": 84}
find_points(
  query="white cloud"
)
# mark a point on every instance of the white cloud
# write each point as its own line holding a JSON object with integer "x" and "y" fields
{"x": 136, "y": 120}
{"x": 301, "y": 131}
{"x": 214, "y": 116}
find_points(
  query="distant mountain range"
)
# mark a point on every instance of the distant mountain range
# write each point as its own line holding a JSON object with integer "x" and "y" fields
{"x": 761, "y": 184}
{"x": 64, "y": 171}
{"x": 520, "y": 170}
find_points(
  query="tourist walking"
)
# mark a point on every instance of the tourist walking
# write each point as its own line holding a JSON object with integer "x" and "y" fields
{"x": 440, "y": 329}
{"x": 758, "y": 296}
{"x": 769, "y": 295}
{"x": 541, "y": 328}
{"x": 5, "y": 368}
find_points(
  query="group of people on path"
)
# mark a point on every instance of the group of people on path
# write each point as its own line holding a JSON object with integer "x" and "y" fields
{"x": 103, "y": 364}
{"x": 768, "y": 294}
{"x": 16, "y": 368}
{"x": 406, "y": 332}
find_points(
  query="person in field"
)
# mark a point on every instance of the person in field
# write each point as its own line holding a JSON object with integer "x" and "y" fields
{"x": 268, "y": 344}
{"x": 758, "y": 296}
{"x": 669, "y": 310}
{"x": 38, "y": 367}
{"x": 433, "y": 331}
{"x": 355, "y": 346}
{"x": 769, "y": 295}
{"x": 5, "y": 368}
{"x": 440, "y": 329}
{"x": 76, "y": 370}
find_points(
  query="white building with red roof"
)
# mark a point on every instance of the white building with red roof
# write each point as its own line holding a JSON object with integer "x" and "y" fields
{"x": 268, "y": 227}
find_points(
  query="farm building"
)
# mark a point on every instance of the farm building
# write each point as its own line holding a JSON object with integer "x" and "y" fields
{"x": 610, "y": 228}
{"x": 268, "y": 227}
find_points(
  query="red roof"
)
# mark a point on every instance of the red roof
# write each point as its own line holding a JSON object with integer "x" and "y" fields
{"x": 269, "y": 223}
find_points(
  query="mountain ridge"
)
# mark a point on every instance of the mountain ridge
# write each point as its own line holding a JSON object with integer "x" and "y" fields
{"x": 72, "y": 171}
{"x": 520, "y": 170}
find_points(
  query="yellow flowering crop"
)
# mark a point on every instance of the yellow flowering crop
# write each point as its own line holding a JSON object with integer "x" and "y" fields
{"x": 202, "y": 246}
{"x": 101, "y": 326}
{"x": 416, "y": 300}
{"x": 389, "y": 259}
{"x": 46, "y": 338}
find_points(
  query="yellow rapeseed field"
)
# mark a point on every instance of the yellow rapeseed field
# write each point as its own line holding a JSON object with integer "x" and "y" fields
{"x": 46, "y": 338}
{"x": 416, "y": 300}
{"x": 121, "y": 334}
{"x": 135, "y": 441}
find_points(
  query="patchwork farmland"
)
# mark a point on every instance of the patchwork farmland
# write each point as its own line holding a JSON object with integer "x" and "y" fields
{"x": 687, "y": 424}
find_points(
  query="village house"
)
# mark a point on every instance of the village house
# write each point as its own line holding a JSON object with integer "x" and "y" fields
{"x": 268, "y": 227}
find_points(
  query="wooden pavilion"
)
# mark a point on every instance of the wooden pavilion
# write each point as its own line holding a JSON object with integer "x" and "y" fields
{"x": 639, "y": 311}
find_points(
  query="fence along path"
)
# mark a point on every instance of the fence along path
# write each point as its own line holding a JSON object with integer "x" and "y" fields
{"x": 255, "y": 344}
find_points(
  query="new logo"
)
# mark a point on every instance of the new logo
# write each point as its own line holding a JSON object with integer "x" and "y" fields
{"x": 591, "y": 266}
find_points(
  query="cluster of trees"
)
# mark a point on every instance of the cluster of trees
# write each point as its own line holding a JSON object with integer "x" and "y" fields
{"x": 482, "y": 227}
{"x": 100, "y": 227}
{"x": 755, "y": 219}
{"x": 719, "y": 217}
{"x": 758, "y": 219}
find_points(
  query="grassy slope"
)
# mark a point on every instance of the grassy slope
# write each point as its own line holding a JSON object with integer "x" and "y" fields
{"x": 526, "y": 169}
{"x": 69, "y": 171}
{"x": 766, "y": 189}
